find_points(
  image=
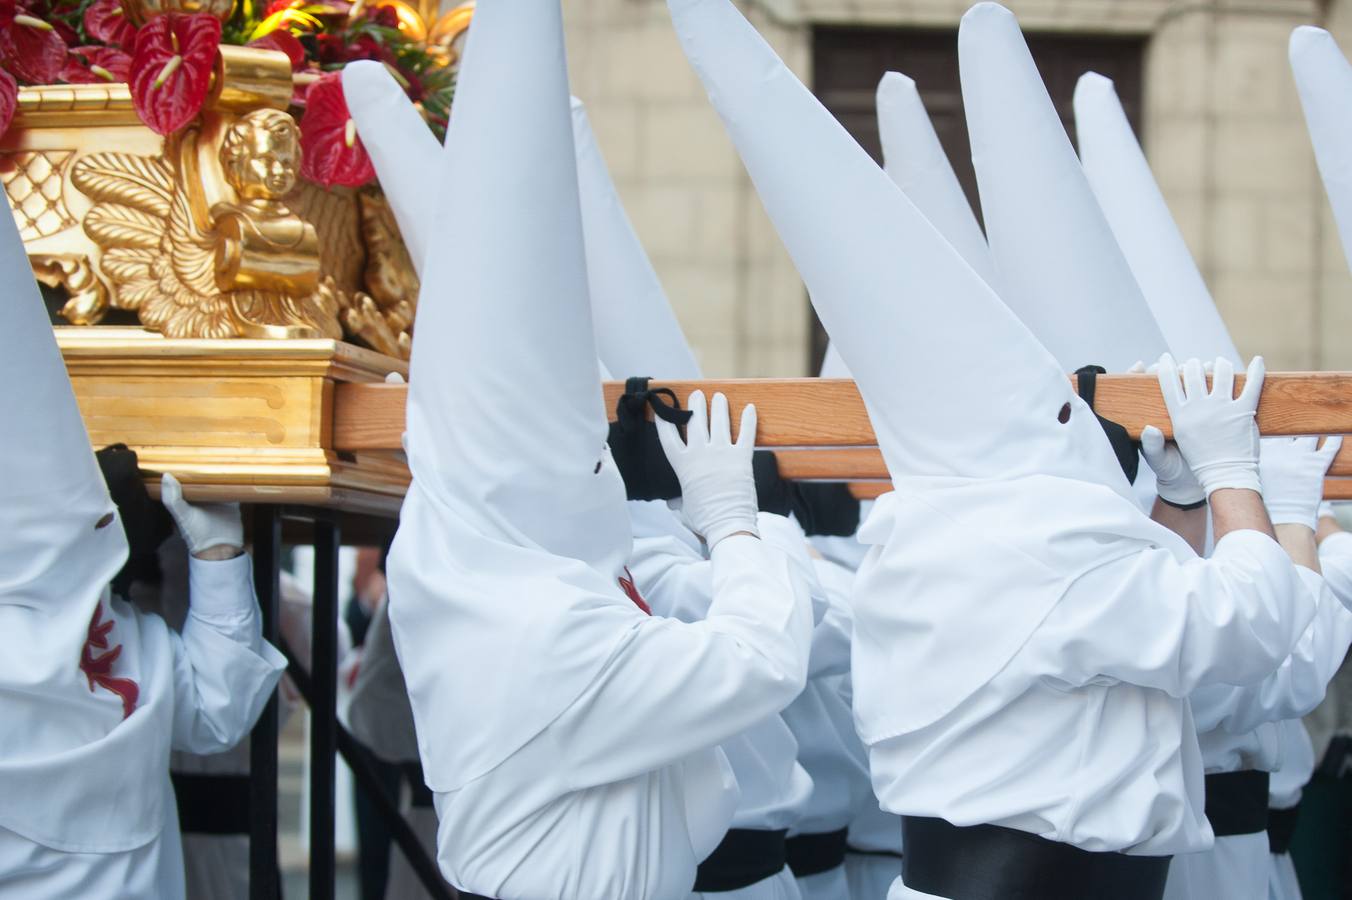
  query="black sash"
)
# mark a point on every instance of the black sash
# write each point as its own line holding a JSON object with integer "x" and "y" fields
{"x": 988, "y": 862}
{"x": 812, "y": 854}
{"x": 1282, "y": 828}
{"x": 744, "y": 857}
{"x": 212, "y": 804}
{"x": 1237, "y": 802}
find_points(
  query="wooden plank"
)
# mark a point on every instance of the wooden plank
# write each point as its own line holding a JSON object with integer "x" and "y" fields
{"x": 819, "y": 413}
{"x": 1334, "y": 489}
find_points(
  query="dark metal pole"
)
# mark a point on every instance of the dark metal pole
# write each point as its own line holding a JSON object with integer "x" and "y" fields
{"x": 358, "y": 760}
{"x": 324, "y": 709}
{"x": 263, "y": 870}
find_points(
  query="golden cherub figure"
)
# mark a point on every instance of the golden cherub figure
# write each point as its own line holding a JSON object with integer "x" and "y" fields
{"x": 265, "y": 253}
{"x": 239, "y": 269}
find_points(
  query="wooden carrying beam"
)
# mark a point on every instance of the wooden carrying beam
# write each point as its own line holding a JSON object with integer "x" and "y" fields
{"x": 821, "y": 431}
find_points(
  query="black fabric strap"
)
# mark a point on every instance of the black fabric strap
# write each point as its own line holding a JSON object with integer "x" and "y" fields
{"x": 987, "y": 862}
{"x": 212, "y": 804}
{"x": 146, "y": 523}
{"x": 634, "y": 443}
{"x": 821, "y": 508}
{"x": 1237, "y": 802}
{"x": 744, "y": 857}
{"x": 812, "y": 854}
{"x": 420, "y": 795}
{"x": 1282, "y": 828}
{"x": 1128, "y": 451}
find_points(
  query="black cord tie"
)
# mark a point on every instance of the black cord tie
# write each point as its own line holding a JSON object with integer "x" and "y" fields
{"x": 634, "y": 443}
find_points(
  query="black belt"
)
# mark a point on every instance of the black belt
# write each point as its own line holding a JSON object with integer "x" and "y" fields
{"x": 890, "y": 854}
{"x": 744, "y": 857}
{"x": 420, "y": 795}
{"x": 463, "y": 896}
{"x": 212, "y": 804}
{"x": 1237, "y": 802}
{"x": 812, "y": 854}
{"x": 1282, "y": 828}
{"x": 988, "y": 862}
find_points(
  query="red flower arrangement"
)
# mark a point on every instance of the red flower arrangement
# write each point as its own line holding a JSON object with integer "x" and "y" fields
{"x": 168, "y": 62}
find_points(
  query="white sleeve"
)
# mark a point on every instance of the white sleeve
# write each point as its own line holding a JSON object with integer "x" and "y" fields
{"x": 682, "y": 687}
{"x": 1299, "y": 683}
{"x": 224, "y": 671}
{"x": 1150, "y": 620}
{"x": 1335, "y": 559}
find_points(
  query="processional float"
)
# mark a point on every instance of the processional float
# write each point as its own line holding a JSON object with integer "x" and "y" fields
{"x": 265, "y": 311}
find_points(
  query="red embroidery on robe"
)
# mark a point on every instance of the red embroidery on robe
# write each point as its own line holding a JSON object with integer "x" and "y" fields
{"x": 631, "y": 591}
{"x": 99, "y": 669}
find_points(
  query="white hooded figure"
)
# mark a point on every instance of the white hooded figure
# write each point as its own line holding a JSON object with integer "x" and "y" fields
{"x": 569, "y": 738}
{"x": 1242, "y": 732}
{"x": 637, "y": 334}
{"x": 1324, "y": 79}
{"x": 1036, "y": 701}
{"x": 96, "y": 694}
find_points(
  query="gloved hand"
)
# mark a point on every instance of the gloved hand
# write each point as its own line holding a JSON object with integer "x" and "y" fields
{"x": 203, "y": 525}
{"x": 1292, "y": 470}
{"x": 1326, "y": 511}
{"x": 1174, "y": 481}
{"x": 1217, "y": 435}
{"x": 718, "y": 491}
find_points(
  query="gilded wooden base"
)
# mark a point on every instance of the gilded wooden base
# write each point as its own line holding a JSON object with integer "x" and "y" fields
{"x": 239, "y": 420}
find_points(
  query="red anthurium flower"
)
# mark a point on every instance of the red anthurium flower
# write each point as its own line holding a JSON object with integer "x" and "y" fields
{"x": 105, "y": 21}
{"x": 171, "y": 68}
{"x": 287, "y": 43}
{"x": 364, "y": 47}
{"x": 384, "y": 16}
{"x": 31, "y": 48}
{"x": 95, "y": 65}
{"x": 9, "y": 100}
{"x": 332, "y": 152}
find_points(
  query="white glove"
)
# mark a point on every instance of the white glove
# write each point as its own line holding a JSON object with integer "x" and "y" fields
{"x": 1174, "y": 481}
{"x": 1216, "y": 434}
{"x": 1293, "y": 472}
{"x": 1326, "y": 511}
{"x": 718, "y": 491}
{"x": 203, "y": 525}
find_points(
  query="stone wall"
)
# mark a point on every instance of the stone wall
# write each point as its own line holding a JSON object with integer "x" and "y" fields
{"x": 1223, "y": 129}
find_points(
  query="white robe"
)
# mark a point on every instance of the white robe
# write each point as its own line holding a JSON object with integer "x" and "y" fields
{"x": 677, "y": 581}
{"x": 203, "y": 690}
{"x": 624, "y": 792}
{"x": 1240, "y": 728}
{"x": 821, "y": 723}
{"x": 1099, "y": 747}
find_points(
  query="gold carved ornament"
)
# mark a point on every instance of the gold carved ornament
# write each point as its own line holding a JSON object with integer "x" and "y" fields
{"x": 215, "y": 236}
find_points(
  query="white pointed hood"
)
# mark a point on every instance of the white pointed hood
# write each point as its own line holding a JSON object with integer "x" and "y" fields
{"x": 897, "y": 299}
{"x": 61, "y": 542}
{"x": 1324, "y": 78}
{"x": 402, "y": 148}
{"x": 636, "y": 329}
{"x": 514, "y": 534}
{"x": 980, "y": 427}
{"x": 1058, "y": 266}
{"x": 915, "y": 160}
{"x": 1144, "y": 228}
{"x": 58, "y": 550}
